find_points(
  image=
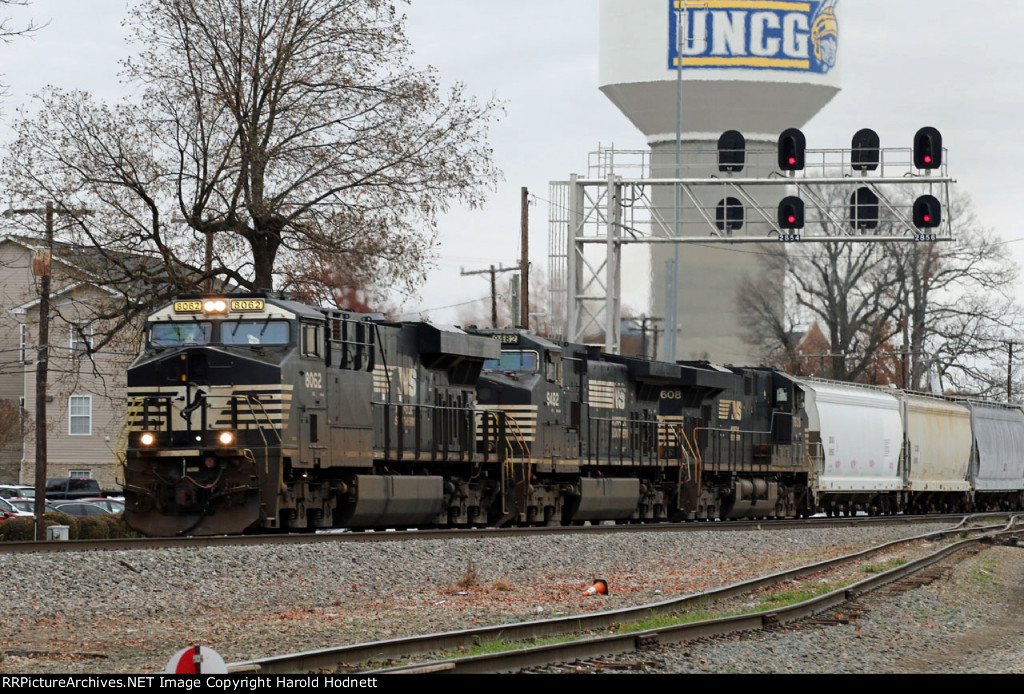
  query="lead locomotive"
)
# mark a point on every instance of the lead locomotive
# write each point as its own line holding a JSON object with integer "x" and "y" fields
{"x": 259, "y": 412}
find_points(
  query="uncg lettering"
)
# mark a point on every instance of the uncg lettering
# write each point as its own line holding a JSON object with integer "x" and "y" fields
{"x": 740, "y": 33}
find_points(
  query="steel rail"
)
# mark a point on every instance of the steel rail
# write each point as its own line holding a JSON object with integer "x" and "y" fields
{"x": 149, "y": 543}
{"x": 330, "y": 659}
{"x": 511, "y": 661}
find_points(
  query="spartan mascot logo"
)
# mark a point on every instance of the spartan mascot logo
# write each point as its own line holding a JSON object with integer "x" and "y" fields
{"x": 790, "y": 35}
{"x": 825, "y": 36}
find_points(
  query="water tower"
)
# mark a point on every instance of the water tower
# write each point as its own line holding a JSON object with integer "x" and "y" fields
{"x": 747, "y": 65}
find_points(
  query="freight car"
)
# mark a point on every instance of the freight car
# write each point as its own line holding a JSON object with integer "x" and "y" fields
{"x": 882, "y": 451}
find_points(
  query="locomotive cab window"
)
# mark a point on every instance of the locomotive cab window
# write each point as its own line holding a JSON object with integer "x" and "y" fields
{"x": 312, "y": 340}
{"x": 553, "y": 370}
{"x": 517, "y": 362}
{"x": 254, "y": 333}
{"x": 180, "y": 334}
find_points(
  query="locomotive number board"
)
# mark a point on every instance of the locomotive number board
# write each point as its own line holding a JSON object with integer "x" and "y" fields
{"x": 243, "y": 305}
{"x": 237, "y": 306}
{"x": 188, "y": 306}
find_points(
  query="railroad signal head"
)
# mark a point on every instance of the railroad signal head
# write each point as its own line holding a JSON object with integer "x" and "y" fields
{"x": 732, "y": 151}
{"x": 866, "y": 150}
{"x": 927, "y": 212}
{"x": 791, "y": 213}
{"x": 792, "y": 148}
{"x": 729, "y": 215}
{"x": 864, "y": 209}
{"x": 928, "y": 148}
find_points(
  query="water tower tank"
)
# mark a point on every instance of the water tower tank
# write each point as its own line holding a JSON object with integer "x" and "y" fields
{"x": 755, "y": 66}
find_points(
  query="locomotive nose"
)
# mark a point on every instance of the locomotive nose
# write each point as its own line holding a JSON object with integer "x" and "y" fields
{"x": 191, "y": 366}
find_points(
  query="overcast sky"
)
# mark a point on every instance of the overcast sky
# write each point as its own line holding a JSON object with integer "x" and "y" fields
{"x": 905, "y": 64}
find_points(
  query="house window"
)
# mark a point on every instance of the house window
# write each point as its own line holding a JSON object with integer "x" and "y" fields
{"x": 80, "y": 474}
{"x": 80, "y": 415}
{"x": 23, "y": 353}
{"x": 81, "y": 339}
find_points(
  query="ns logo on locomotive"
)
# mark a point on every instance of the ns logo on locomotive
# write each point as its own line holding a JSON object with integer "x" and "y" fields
{"x": 260, "y": 413}
{"x": 784, "y": 35}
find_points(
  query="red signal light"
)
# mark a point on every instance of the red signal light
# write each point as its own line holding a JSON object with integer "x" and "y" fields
{"x": 927, "y": 212}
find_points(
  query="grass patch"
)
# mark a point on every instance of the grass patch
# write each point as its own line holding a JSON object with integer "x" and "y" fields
{"x": 884, "y": 566}
{"x": 785, "y": 598}
{"x": 660, "y": 621}
{"x": 983, "y": 574}
{"x": 500, "y": 645}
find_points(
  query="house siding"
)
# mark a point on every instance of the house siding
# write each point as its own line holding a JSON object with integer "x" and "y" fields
{"x": 102, "y": 378}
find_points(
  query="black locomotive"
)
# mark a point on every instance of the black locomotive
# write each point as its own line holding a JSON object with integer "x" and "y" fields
{"x": 259, "y": 413}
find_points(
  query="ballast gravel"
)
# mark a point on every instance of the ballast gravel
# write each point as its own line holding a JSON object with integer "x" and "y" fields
{"x": 130, "y": 611}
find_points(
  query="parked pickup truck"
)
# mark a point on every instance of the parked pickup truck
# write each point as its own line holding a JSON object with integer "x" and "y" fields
{"x": 71, "y": 488}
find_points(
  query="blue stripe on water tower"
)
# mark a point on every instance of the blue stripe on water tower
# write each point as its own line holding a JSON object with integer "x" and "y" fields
{"x": 754, "y": 34}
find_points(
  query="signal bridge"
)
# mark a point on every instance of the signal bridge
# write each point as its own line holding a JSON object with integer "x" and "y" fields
{"x": 861, "y": 194}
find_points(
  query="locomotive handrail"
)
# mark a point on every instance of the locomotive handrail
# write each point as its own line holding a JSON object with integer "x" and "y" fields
{"x": 624, "y": 425}
{"x": 697, "y": 462}
{"x": 249, "y": 398}
{"x": 465, "y": 452}
{"x": 121, "y": 445}
{"x": 259, "y": 429}
{"x": 700, "y": 459}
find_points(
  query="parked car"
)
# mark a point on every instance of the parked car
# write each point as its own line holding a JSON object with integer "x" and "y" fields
{"x": 112, "y": 505}
{"x": 9, "y": 510}
{"x": 8, "y": 491}
{"x": 23, "y": 504}
{"x": 71, "y": 488}
{"x": 72, "y": 507}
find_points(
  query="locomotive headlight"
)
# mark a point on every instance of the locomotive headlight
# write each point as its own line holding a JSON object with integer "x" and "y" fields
{"x": 226, "y": 438}
{"x": 147, "y": 439}
{"x": 215, "y": 306}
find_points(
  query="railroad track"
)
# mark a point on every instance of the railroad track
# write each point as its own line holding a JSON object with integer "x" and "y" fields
{"x": 595, "y": 635}
{"x": 149, "y": 543}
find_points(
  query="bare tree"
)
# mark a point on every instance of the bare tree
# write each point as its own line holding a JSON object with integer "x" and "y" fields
{"x": 957, "y": 306}
{"x": 844, "y": 287}
{"x": 266, "y": 131}
{"x": 336, "y": 281}
{"x": 10, "y": 29}
{"x": 896, "y": 312}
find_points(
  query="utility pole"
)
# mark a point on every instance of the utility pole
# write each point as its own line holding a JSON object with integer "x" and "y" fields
{"x": 524, "y": 262}
{"x": 493, "y": 272}
{"x": 1009, "y": 372}
{"x": 644, "y": 320}
{"x": 41, "y": 267}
